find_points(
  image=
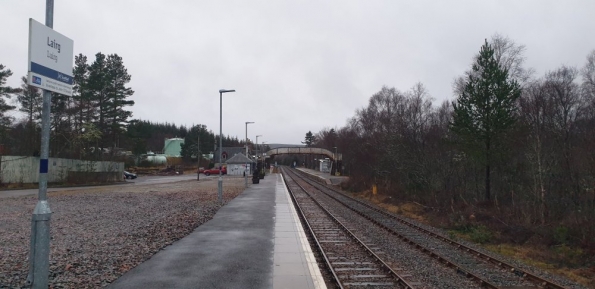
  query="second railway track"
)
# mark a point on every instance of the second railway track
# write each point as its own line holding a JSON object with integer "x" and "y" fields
{"x": 351, "y": 263}
{"x": 487, "y": 271}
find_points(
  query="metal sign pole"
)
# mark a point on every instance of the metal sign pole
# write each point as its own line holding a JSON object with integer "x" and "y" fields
{"x": 198, "y": 155}
{"x": 39, "y": 254}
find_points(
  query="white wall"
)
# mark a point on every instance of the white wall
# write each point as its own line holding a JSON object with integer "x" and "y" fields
{"x": 19, "y": 169}
{"x": 237, "y": 169}
{"x": 325, "y": 166}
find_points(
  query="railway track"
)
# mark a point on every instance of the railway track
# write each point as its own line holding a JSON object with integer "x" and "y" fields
{"x": 487, "y": 271}
{"x": 350, "y": 262}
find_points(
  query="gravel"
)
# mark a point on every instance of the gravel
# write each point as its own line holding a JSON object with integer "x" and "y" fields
{"x": 98, "y": 234}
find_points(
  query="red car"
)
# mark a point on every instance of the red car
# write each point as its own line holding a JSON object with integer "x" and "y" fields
{"x": 215, "y": 171}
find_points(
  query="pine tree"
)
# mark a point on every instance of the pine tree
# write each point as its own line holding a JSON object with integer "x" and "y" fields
{"x": 309, "y": 139}
{"x": 138, "y": 133}
{"x": 485, "y": 108}
{"x": 80, "y": 92}
{"x": 118, "y": 94}
{"x": 60, "y": 126}
{"x": 98, "y": 94}
{"x": 5, "y": 92}
{"x": 30, "y": 100}
{"x": 196, "y": 133}
{"x": 82, "y": 106}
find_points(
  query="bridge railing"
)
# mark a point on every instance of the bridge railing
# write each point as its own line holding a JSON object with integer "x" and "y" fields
{"x": 305, "y": 150}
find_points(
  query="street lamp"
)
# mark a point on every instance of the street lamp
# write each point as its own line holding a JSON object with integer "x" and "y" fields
{"x": 246, "y": 167}
{"x": 220, "y": 183}
{"x": 336, "y": 163}
{"x": 198, "y": 154}
{"x": 262, "y": 154}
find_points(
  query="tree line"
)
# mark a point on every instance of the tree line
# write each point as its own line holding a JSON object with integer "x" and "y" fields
{"x": 94, "y": 123}
{"x": 82, "y": 125}
{"x": 145, "y": 136}
{"x": 517, "y": 145}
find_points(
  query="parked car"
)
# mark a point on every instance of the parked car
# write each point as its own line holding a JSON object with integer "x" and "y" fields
{"x": 215, "y": 171}
{"x": 129, "y": 175}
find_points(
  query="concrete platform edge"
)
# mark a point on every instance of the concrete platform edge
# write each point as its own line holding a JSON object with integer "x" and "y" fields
{"x": 312, "y": 264}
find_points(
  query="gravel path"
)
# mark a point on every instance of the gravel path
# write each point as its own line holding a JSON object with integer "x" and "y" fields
{"x": 99, "y": 234}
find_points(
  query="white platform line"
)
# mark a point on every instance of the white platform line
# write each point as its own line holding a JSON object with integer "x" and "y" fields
{"x": 317, "y": 278}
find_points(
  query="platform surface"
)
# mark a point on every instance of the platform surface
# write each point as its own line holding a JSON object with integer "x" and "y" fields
{"x": 327, "y": 177}
{"x": 254, "y": 241}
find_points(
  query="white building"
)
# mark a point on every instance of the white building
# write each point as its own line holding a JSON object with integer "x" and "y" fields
{"x": 325, "y": 165}
{"x": 237, "y": 165}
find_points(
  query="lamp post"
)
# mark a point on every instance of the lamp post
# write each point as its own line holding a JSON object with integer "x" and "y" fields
{"x": 220, "y": 183}
{"x": 246, "y": 167}
{"x": 335, "y": 160}
{"x": 262, "y": 154}
{"x": 198, "y": 155}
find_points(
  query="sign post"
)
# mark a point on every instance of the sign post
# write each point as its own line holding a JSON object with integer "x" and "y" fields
{"x": 50, "y": 59}
{"x": 50, "y": 68}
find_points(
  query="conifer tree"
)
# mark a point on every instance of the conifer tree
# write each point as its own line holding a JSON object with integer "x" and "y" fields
{"x": 109, "y": 96}
{"x": 80, "y": 93}
{"x": 5, "y": 92}
{"x": 118, "y": 94}
{"x": 30, "y": 101}
{"x": 485, "y": 108}
{"x": 310, "y": 139}
{"x": 98, "y": 95}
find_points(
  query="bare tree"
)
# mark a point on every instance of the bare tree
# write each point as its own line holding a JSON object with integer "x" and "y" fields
{"x": 509, "y": 55}
{"x": 419, "y": 111}
{"x": 535, "y": 110}
{"x": 588, "y": 74}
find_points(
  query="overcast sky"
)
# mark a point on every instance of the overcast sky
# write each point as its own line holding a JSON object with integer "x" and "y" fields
{"x": 297, "y": 66}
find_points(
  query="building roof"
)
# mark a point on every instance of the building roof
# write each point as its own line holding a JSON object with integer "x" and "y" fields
{"x": 228, "y": 152}
{"x": 239, "y": 159}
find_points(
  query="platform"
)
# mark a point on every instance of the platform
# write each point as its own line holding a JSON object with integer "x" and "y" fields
{"x": 327, "y": 177}
{"x": 254, "y": 241}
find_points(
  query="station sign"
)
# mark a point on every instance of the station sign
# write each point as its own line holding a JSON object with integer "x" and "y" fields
{"x": 50, "y": 59}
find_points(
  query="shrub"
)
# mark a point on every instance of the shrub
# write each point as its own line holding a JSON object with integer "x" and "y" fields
{"x": 480, "y": 234}
{"x": 561, "y": 235}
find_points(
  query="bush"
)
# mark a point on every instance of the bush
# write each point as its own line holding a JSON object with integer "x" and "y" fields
{"x": 480, "y": 234}
{"x": 568, "y": 256}
{"x": 561, "y": 235}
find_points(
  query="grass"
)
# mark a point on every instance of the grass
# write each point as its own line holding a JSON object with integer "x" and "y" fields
{"x": 540, "y": 258}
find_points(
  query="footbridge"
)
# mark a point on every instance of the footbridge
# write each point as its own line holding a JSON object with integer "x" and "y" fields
{"x": 305, "y": 151}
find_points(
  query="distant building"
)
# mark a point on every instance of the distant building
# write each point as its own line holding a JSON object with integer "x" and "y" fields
{"x": 172, "y": 147}
{"x": 239, "y": 164}
{"x": 325, "y": 165}
{"x": 227, "y": 153}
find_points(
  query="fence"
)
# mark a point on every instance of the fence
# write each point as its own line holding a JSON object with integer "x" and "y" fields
{"x": 20, "y": 169}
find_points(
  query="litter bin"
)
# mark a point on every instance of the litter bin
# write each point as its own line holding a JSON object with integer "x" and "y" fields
{"x": 256, "y": 177}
